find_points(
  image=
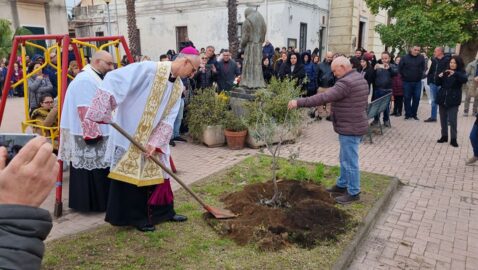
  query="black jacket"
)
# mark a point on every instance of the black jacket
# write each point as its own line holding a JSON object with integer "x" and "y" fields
{"x": 325, "y": 77}
{"x": 22, "y": 231}
{"x": 382, "y": 78}
{"x": 412, "y": 68}
{"x": 437, "y": 67}
{"x": 267, "y": 72}
{"x": 368, "y": 74}
{"x": 298, "y": 73}
{"x": 449, "y": 94}
{"x": 226, "y": 73}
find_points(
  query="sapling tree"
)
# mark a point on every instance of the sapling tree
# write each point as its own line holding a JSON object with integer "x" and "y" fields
{"x": 269, "y": 121}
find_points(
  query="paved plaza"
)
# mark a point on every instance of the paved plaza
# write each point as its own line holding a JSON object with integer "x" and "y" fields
{"x": 431, "y": 223}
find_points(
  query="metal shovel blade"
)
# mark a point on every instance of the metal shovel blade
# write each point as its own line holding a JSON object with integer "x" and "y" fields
{"x": 219, "y": 213}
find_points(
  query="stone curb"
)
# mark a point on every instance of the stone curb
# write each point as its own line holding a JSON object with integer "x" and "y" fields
{"x": 368, "y": 222}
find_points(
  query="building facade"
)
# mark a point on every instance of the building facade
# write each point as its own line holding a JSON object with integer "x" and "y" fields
{"x": 352, "y": 26}
{"x": 164, "y": 24}
{"x": 38, "y": 16}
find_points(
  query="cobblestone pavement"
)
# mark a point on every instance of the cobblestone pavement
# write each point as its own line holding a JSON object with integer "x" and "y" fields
{"x": 431, "y": 223}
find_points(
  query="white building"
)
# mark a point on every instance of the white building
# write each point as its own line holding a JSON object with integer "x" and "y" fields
{"x": 39, "y": 16}
{"x": 163, "y": 24}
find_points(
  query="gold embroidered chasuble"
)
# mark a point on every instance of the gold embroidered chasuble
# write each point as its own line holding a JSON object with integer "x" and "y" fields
{"x": 133, "y": 167}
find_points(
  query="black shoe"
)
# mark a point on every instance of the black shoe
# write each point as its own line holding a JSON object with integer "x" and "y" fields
{"x": 172, "y": 143}
{"x": 407, "y": 117}
{"x": 178, "y": 218}
{"x": 336, "y": 189}
{"x": 394, "y": 113}
{"x": 443, "y": 139}
{"x": 318, "y": 118}
{"x": 416, "y": 118}
{"x": 347, "y": 198}
{"x": 398, "y": 115}
{"x": 312, "y": 114}
{"x": 429, "y": 120}
{"x": 453, "y": 143}
{"x": 146, "y": 228}
{"x": 328, "y": 118}
{"x": 179, "y": 139}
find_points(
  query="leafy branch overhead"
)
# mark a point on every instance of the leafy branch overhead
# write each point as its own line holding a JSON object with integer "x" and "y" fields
{"x": 427, "y": 23}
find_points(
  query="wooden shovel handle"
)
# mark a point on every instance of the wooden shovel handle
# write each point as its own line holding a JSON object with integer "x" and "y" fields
{"x": 155, "y": 160}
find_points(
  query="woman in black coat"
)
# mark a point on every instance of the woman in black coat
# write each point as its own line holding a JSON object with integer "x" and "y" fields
{"x": 449, "y": 98}
{"x": 267, "y": 70}
{"x": 294, "y": 69}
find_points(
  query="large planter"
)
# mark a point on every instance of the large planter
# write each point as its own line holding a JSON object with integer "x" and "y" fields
{"x": 289, "y": 137}
{"x": 213, "y": 136}
{"x": 235, "y": 139}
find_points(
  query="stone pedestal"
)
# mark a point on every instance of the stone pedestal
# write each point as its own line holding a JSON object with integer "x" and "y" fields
{"x": 238, "y": 97}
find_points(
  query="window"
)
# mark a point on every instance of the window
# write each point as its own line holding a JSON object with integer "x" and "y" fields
{"x": 181, "y": 36}
{"x": 303, "y": 37}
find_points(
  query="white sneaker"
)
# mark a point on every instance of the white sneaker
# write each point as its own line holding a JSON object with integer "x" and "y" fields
{"x": 471, "y": 160}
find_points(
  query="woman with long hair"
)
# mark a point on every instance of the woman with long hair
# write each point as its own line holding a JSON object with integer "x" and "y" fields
{"x": 449, "y": 98}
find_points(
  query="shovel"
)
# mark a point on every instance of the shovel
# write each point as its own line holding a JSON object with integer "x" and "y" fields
{"x": 216, "y": 212}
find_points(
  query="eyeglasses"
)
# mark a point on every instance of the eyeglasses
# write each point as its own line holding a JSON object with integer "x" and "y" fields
{"x": 47, "y": 102}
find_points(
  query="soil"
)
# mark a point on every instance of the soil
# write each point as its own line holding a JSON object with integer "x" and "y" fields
{"x": 306, "y": 216}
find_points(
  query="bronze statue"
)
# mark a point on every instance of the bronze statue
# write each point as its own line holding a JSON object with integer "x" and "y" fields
{"x": 253, "y": 35}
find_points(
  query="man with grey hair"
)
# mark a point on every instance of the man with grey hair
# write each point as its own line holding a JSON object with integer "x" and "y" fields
{"x": 147, "y": 98}
{"x": 349, "y": 97}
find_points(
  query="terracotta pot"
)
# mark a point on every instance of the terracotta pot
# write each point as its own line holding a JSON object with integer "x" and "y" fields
{"x": 235, "y": 139}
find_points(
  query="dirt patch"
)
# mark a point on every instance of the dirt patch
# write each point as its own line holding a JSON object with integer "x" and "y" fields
{"x": 308, "y": 217}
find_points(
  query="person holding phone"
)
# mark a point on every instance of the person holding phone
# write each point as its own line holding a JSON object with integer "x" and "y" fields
{"x": 449, "y": 98}
{"x": 24, "y": 184}
{"x": 38, "y": 85}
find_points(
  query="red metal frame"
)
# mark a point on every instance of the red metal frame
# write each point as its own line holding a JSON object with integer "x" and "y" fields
{"x": 64, "y": 41}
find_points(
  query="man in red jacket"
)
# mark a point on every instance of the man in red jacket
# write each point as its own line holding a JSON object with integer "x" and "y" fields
{"x": 349, "y": 117}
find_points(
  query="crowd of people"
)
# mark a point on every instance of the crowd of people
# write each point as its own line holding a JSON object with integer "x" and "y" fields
{"x": 100, "y": 158}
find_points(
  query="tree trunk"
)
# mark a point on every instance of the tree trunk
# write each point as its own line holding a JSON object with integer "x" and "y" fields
{"x": 133, "y": 36}
{"x": 232, "y": 27}
{"x": 468, "y": 50}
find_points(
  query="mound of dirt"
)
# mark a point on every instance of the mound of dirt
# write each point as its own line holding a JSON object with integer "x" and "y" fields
{"x": 307, "y": 215}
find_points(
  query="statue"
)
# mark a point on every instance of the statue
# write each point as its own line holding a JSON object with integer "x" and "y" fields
{"x": 253, "y": 35}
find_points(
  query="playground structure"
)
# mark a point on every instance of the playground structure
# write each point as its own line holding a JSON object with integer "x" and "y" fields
{"x": 60, "y": 45}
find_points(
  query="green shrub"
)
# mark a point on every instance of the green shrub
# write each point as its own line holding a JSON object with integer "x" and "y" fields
{"x": 205, "y": 109}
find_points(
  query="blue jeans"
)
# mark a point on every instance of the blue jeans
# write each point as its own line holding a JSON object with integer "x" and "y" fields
{"x": 412, "y": 94}
{"x": 474, "y": 139}
{"x": 433, "y": 96}
{"x": 349, "y": 164}
{"x": 179, "y": 119}
{"x": 378, "y": 93}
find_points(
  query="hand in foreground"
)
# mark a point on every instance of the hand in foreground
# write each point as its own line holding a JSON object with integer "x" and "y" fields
{"x": 292, "y": 104}
{"x": 31, "y": 174}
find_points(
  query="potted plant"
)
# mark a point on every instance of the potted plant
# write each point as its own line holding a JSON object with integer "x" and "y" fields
{"x": 205, "y": 115}
{"x": 235, "y": 131}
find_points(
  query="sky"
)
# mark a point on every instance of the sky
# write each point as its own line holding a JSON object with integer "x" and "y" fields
{"x": 70, "y": 3}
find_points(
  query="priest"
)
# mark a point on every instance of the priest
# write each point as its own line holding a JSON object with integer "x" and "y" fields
{"x": 146, "y": 97}
{"x": 83, "y": 142}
